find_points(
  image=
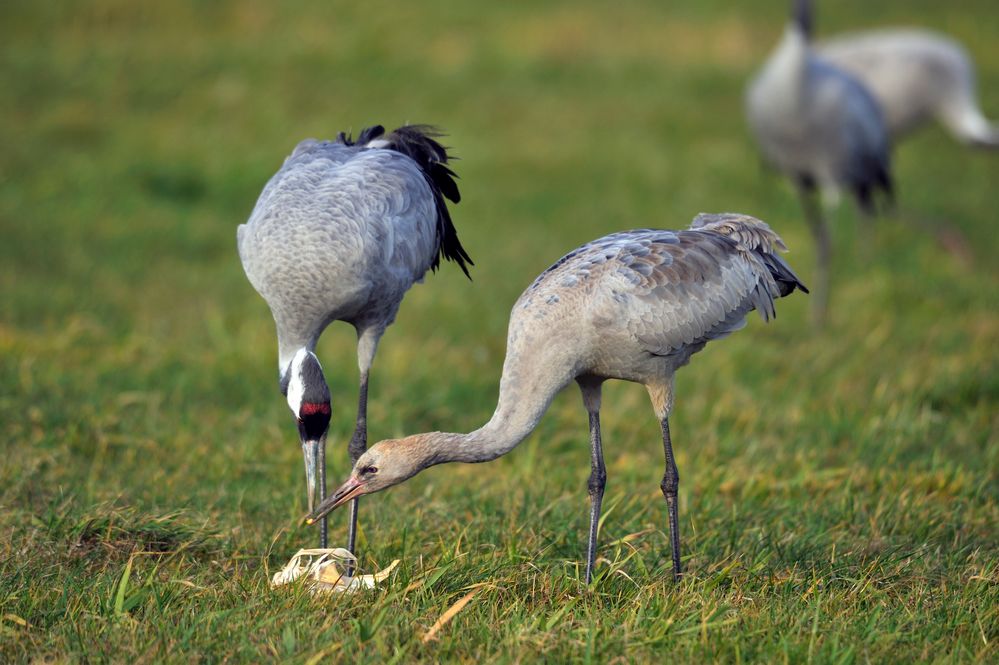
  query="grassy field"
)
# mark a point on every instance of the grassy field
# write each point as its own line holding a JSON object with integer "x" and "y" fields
{"x": 839, "y": 489}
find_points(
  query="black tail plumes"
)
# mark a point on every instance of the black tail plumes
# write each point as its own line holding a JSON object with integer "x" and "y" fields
{"x": 417, "y": 142}
{"x": 878, "y": 182}
{"x": 783, "y": 275}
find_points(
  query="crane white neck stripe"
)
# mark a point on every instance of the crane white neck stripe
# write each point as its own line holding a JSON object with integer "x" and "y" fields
{"x": 296, "y": 379}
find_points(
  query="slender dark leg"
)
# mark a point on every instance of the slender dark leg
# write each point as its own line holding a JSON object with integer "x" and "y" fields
{"x": 598, "y": 479}
{"x": 367, "y": 344}
{"x": 323, "y": 528}
{"x": 670, "y": 484}
{"x": 823, "y": 248}
{"x": 358, "y": 444}
{"x": 591, "y": 389}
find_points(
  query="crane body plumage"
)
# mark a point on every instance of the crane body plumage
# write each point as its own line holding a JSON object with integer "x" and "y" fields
{"x": 634, "y": 306}
{"x": 817, "y": 123}
{"x": 820, "y": 126}
{"x": 340, "y": 233}
{"x": 916, "y": 76}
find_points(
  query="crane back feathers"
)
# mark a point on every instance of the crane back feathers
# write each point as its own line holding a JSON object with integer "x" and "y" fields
{"x": 672, "y": 291}
{"x": 754, "y": 235}
{"x": 418, "y": 143}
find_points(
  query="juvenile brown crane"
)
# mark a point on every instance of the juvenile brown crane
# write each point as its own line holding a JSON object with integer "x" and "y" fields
{"x": 635, "y": 306}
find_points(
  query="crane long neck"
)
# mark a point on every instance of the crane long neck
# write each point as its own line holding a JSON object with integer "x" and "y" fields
{"x": 803, "y": 17}
{"x": 529, "y": 383}
{"x": 793, "y": 49}
{"x": 496, "y": 438}
{"x": 785, "y": 71}
{"x": 517, "y": 414}
{"x": 289, "y": 345}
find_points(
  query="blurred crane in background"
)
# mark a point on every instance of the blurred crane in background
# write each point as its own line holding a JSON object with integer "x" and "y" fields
{"x": 915, "y": 76}
{"x": 340, "y": 233}
{"x": 821, "y": 127}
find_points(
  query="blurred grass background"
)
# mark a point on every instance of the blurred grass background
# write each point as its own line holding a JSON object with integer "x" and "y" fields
{"x": 838, "y": 487}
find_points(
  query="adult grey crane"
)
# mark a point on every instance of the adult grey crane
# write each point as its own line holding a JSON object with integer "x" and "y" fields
{"x": 635, "y": 306}
{"x": 915, "y": 76}
{"x": 340, "y": 233}
{"x": 820, "y": 127}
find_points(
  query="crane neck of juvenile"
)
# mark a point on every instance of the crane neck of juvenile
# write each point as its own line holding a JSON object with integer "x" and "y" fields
{"x": 516, "y": 416}
{"x": 485, "y": 444}
{"x": 536, "y": 368}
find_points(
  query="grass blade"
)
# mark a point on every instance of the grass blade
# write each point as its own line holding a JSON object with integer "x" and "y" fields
{"x": 449, "y": 614}
{"x": 119, "y": 599}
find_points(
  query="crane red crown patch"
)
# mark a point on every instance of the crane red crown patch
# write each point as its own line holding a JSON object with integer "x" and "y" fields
{"x": 311, "y": 408}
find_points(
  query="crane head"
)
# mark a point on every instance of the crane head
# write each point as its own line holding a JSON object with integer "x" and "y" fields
{"x": 803, "y": 16}
{"x": 385, "y": 464}
{"x": 308, "y": 398}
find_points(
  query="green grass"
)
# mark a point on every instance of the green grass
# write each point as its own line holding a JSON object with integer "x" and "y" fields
{"x": 839, "y": 496}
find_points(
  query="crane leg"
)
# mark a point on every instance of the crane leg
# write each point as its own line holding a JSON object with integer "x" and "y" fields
{"x": 823, "y": 248}
{"x": 669, "y": 486}
{"x": 367, "y": 343}
{"x": 595, "y": 486}
{"x": 598, "y": 473}
{"x": 358, "y": 444}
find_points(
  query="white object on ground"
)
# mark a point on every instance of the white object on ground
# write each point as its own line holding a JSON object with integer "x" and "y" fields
{"x": 326, "y": 571}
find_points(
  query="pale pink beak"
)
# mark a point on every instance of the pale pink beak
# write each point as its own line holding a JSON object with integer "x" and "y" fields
{"x": 351, "y": 489}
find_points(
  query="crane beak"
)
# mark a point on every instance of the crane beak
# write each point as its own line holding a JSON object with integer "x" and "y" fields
{"x": 310, "y": 451}
{"x": 349, "y": 490}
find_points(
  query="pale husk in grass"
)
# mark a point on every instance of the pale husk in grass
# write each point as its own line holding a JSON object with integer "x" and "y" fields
{"x": 324, "y": 570}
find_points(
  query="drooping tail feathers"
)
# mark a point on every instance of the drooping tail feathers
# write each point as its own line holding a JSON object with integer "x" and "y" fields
{"x": 876, "y": 179}
{"x": 756, "y": 236}
{"x": 417, "y": 142}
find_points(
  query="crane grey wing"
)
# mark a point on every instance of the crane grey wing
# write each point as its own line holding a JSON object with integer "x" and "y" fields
{"x": 321, "y": 223}
{"x": 688, "y": 287}
{"x": 403, "y": 212}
